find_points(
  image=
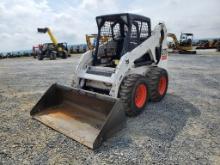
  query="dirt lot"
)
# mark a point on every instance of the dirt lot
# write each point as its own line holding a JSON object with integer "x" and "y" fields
{"x": 182, "y": 129}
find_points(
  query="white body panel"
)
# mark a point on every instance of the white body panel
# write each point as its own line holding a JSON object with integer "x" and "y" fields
{"x": 125, "y": 66}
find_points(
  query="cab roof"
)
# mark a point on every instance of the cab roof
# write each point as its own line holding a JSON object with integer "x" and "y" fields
{"x": 130, "y": 17}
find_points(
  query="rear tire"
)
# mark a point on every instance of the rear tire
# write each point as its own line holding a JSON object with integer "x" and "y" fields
{"x": 158, "y": 81}
{"x": 64, "y": 55}
{"x": 134, "y": 93}
{"x": 53, "y": 56}
{"x": 40, "y": 56}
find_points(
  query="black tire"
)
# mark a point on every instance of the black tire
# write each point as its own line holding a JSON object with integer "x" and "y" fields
{"x": 40, "y": 57}
{"x": 53, "y": 56}
{"x": 127, "y": 93}
{"x": 64, "y": 55}
{"x": 158, "y": 89}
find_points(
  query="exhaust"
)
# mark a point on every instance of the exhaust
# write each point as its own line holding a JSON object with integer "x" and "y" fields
{"x": 86, "y": 117}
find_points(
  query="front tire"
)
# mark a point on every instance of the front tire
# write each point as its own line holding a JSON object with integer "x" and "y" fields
{"x": 134, "y": 94}
{"x": 64, "y": 55}
{"x": 53, "y": 56}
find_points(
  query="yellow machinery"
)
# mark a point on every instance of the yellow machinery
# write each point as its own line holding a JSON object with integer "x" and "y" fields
{"x": 92, "y": 38}
{"x": 208, "y": 44}
{"x": 54, "y": 49}
{"x": 184, "y": 45}
{"x": 47, "y": 30}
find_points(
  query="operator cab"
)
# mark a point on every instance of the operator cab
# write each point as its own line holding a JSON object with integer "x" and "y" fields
{"x": 124, "y": 32}
{"x": 186, "y": 39}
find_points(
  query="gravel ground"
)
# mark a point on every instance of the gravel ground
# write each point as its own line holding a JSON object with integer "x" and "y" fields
{"x": 184, "y": 128}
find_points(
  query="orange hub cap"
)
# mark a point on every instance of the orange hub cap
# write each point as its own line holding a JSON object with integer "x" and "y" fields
{"x": 140, "y": 95}
{"x": 162, "y": 85}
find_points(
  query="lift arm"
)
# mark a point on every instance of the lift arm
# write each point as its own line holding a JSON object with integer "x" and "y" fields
{"x": 47, "y": 30}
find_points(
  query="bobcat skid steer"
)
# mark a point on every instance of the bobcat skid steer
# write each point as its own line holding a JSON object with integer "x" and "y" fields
{"x": 118, "y": 77}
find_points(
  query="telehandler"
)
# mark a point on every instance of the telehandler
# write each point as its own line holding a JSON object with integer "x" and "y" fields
{"x": 116, "y": 78}
{"x": 52, "y": 50}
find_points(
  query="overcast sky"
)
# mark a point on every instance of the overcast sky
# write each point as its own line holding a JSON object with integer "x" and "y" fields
{"x": 70, "y": 20}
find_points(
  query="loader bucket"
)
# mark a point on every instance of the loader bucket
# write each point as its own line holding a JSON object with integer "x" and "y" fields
{"x": 86, "y": 117}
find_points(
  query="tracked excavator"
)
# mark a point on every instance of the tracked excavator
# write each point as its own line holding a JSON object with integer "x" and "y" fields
{"x": 115, "y": 79}
{"x": 184, "y": 45}
{"x": 54, "y": 49}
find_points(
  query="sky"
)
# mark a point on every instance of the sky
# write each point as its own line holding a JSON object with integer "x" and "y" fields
{"x": 70, "y": 20}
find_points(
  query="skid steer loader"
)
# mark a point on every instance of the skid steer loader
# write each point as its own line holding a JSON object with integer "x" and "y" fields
{"x": 118, "y": 77}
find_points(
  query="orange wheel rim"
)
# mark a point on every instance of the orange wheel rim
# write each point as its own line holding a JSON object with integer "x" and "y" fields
{"x": 140, "y": 95}
{"x": 162, "y": 85}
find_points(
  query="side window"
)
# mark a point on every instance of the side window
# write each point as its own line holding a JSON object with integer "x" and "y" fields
{"x": 106, "y": 29}
{"x": 134, "y": 38}
{"x": 144, "y": 31}
{"x": 116, "y": 30}
{"x": 139, "y": 33}
{"x": 142, "y": 28}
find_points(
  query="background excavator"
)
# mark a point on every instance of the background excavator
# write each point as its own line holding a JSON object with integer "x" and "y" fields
{"x": 52, "y": 50}
{"x": 208, "y": 44}
{"x": 184, "y": 45}
{"x": 91, "y": 40}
